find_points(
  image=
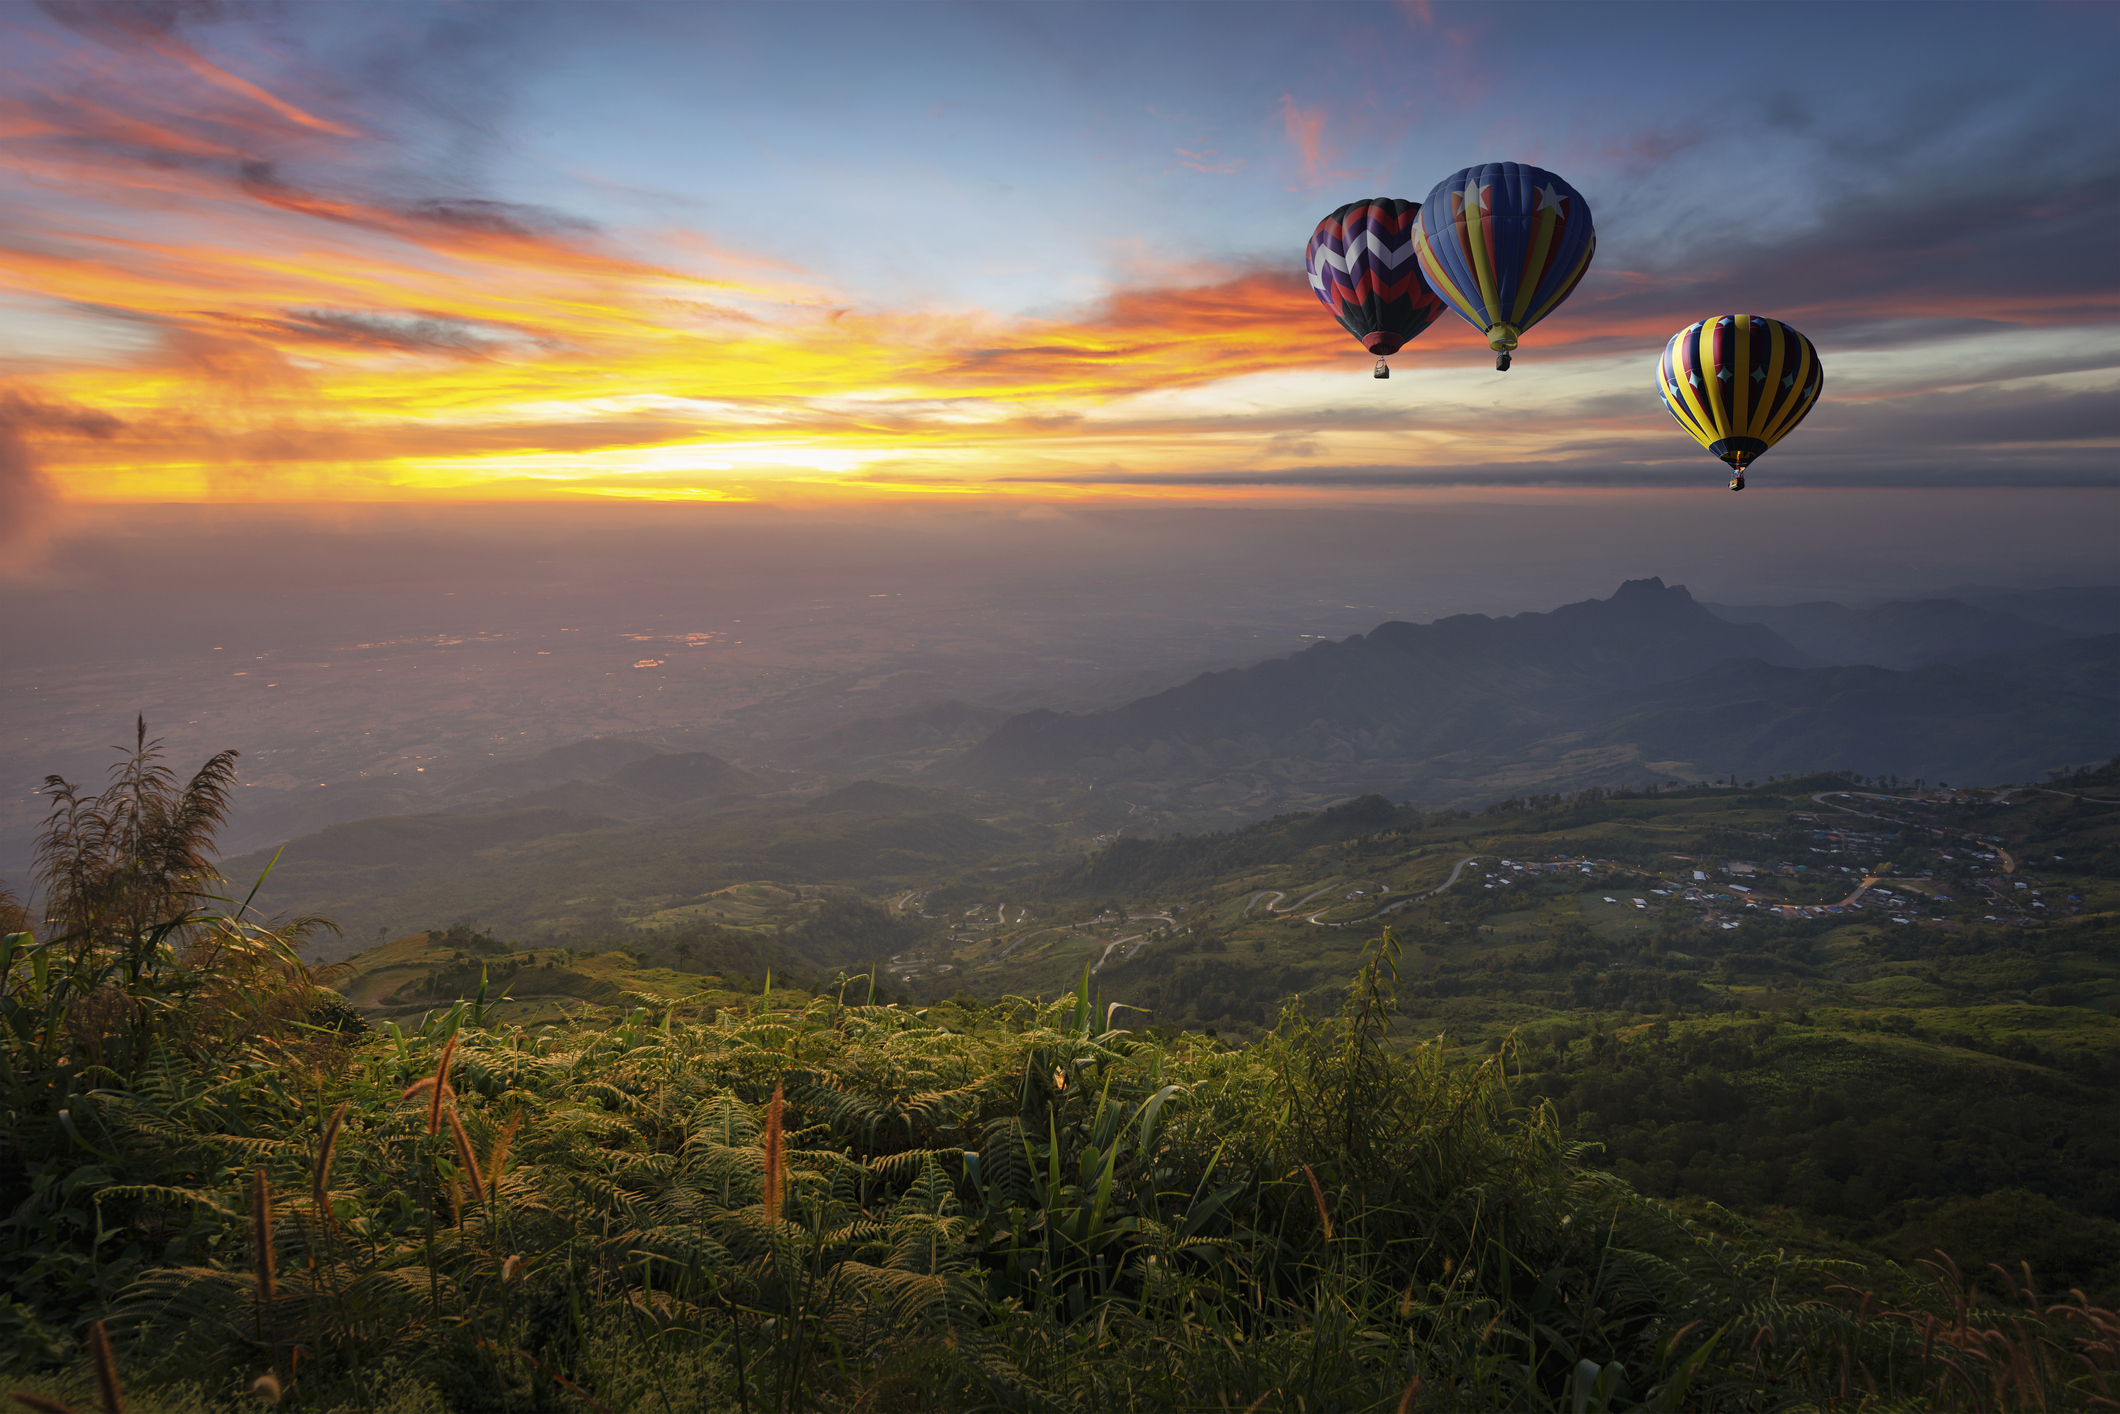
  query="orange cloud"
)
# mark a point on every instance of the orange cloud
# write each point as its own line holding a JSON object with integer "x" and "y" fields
{"x": 294, "y": 329}
{"x": 1316, "y": 159}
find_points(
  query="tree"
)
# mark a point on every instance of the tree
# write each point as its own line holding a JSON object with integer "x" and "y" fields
{"x": 139, "y": 855}
{"x": 138, "y": 947}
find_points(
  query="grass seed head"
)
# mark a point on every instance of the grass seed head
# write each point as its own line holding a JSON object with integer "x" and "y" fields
{"x": 261, "y": 1234}
{"x": 107, "y": 1389}
{"x": 465, "y": 1156}
{"x": 441, "y": 1086}
{"x": 39, "y": 1403}
{"x": 1318, "y": 1195}
{"x": 327, "y": 1148}
{"x": 774, "y": 1156}
{"x": 497, "y": 1156}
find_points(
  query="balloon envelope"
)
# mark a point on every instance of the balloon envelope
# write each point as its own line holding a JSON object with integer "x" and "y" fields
{"x": 1503, "y": 244}
{"x": 1362, "y": 268}
{"x": 1739, "y": 383}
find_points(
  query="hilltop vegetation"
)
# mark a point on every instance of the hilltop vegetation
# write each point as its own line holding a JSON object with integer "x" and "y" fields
{"x": 857, "y": 1207}
{"x": 550, "y": 874}
{"x": 1260, "y": 1187}
{"x": 746, "y": 940}
{"x": 1683, "y": 975}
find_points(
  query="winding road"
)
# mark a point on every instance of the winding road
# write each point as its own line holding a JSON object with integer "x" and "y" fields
{"x": 1395, "y": 905}
{"x": 1455, "y": 870}
{"x": 1303, "y": 900}
{"x": 1105, "y": 956}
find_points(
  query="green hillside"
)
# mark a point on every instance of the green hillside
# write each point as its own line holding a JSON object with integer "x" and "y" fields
{"x": 411, "y": 978}
{"x": 550, "y": 874}
{"x": 1891, "y": 1014}
{"x": 1648, "y": 1100}
{"x": 739, "y": 941}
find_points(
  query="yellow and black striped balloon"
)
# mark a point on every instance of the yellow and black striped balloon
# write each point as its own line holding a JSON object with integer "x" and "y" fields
{"x": 1739, "y": 383}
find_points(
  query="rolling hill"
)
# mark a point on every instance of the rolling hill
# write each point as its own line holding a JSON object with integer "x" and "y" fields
{"x": 536, "y": 873}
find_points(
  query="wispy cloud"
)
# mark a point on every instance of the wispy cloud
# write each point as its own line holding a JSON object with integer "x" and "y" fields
{"x": 1317, "y": 151}
{"x": 315, "y": 303}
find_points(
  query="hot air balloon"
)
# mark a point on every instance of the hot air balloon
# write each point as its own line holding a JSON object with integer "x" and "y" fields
{"x": 1361, "y": 267}
{"x": 1503, "y": 244}
{"x": 1739, "y": 383}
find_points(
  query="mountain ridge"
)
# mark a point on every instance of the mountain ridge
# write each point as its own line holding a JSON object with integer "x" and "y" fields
{"x": 1399, "y": 692}
{"x": 1901, "y": 633}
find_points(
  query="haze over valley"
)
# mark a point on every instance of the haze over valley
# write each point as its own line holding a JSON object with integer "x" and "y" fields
{"x": 683, "y": 686}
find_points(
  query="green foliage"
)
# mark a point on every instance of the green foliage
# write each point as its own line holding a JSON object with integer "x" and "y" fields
{"x": 533, "y": 873}
{"x": 2010, "y": 1225}
{"x": 462, "y": 937}
{"x": 1873, "y": 1138}
{"x": 806, "y": 1203}
{"x": 145, "y": 979}
{"x": 1134, "y": 867}
{"x": 859, "y": 1206}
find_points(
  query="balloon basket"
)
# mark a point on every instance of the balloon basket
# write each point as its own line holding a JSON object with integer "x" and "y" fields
{"x": 1383, "y": 370}
{"x": 1501, "y": 363}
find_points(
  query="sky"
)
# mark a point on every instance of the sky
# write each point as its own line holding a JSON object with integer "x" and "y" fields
{"x": 811, "y": 254}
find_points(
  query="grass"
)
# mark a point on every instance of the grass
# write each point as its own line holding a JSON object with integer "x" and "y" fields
{"x": 409, "y": 977}
{"x": 840, "y": 1207}
{"x": 701, "y": 1196}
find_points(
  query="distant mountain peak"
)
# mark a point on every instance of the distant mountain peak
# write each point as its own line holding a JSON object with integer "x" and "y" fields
{"x": 1401, "y": 694}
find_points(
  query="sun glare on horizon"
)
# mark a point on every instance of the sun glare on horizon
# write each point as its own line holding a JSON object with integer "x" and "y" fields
{"x": 236, "y": 266}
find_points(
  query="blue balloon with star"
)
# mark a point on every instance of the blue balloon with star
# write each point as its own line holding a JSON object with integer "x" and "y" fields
{"x": 1739, "y": 383}
{"x": 1503, "y": 244}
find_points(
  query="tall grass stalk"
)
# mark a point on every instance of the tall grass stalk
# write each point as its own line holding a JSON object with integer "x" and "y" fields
{"x": 108, "y": 1391}
{"x": 39, "y": 1403}
{"x": 327, "y": 1150}
{"x": 436, "y": 1086}
{"x": 773, "y": 1153}
{"x": 469, "y": 1159}
{"x": 263, "y": 1265}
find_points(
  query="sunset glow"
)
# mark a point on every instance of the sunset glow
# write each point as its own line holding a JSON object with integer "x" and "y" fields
{"x": 235, "y": 265}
